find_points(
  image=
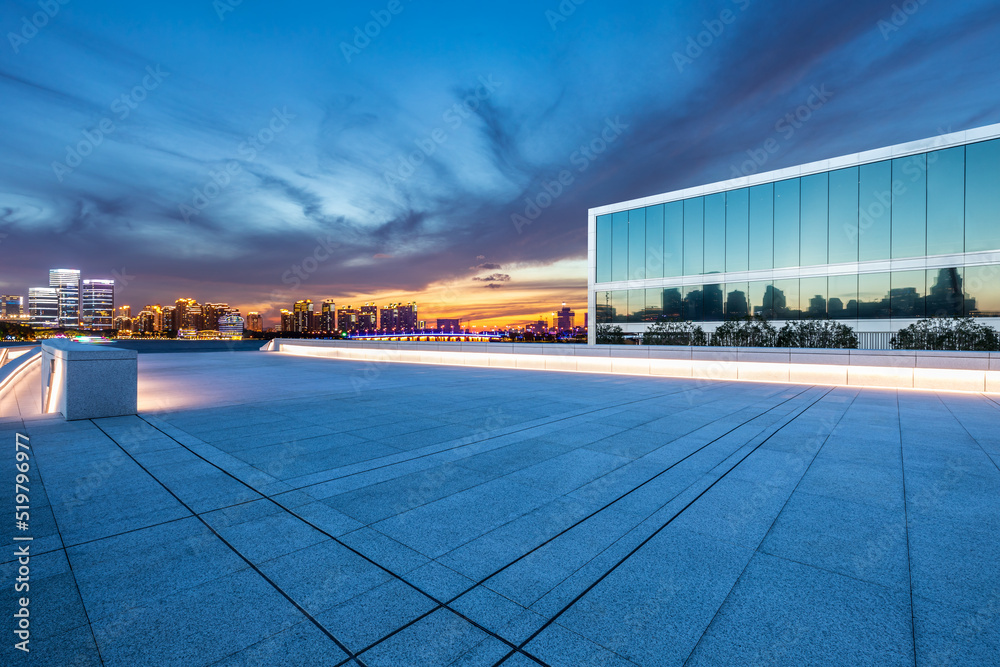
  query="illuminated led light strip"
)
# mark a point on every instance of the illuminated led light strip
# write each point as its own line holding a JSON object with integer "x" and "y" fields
{"x": 17, "y": 372}
{"x": 874, "y": 377}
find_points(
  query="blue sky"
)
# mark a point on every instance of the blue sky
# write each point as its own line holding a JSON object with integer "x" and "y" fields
{"x": 262, "y": 154}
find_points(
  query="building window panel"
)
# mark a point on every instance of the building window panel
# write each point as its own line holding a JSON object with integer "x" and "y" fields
{"x": 982, "y": 196}
{"x": 636, "y": 305}
{"x": 762, "y": 227}
{"x": 873, "y": 296}
{"x": 637, "y": 244}
{"x": 815, "y": 211}
{"x": 654, "y": 241}
{"x": 844, "y": 215}
{"x": 603, "y": 248}
{"x": 737, "y": 300}
{"x": 786, "y": 223}
{"x": 714, "y": 308}
{"x": 673, "y": 303}
{"x": 694, "y": 303}
{"x": 784, "y": 299}
{"x": 843, "y": 300}
{"x": 738, "y": 230}
{"x": 982, "y": 291}
{"x": 945, "y": 293}
{"x": 907, "y": 294}
{"x": 715, "y": 233}
{"x": 619, "y": 306}
{"x": 761, "y": 299}
{"x": 619, "y": 246}
{"x": 875, "y": 209}
{"x": 812, "y": 298}
{"x": 654, "y": 305}
{"x": 946, "y": 201}
{"x": 909, "y": 206}
{"x": 673, "y": 239}
{"x": 694, "y": 235}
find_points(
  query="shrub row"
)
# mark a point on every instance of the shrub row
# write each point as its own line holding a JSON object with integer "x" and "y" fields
{"x": 755, "y": 331}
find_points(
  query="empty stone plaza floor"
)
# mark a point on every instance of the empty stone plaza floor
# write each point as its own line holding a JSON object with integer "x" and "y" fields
{"x": 269, "y": 509}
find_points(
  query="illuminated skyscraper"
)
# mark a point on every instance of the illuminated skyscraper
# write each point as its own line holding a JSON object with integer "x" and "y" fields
{"x": 303, "y": 313}
{"x": 408, "y": 315}
{"x": 287, "y": 320}
{"x": 254, "y": 322}
{"x": 11, "y": 307}
{"x": 347, "y": 319}
{"x": 368, "y": 319}
{"x": 97, "y": 304}
{"x": 67, "y": 281}
{"x": 43, "y": 307}
{"x": 211, "y": 312}
{"x": 328, "y": 316}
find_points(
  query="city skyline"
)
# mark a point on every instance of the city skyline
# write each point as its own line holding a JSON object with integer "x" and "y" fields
{"x": 372, "y": 168}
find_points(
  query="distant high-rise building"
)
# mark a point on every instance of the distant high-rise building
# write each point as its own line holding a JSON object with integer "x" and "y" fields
{"x": 408, "y": 315}
{"x": 303, "y": 314}
{"x": 231, "y": 326}
{"x": 368, "y": 318}
{"x": 564, "y": 319}
{"x": 67, "y": 281}
{"x": 123, "y": 320}
{"x": 149, "y": 320}
{"x": 347, "y": 319}
{"x": 211, "y": 312}
{"x": 97, "y": 304}
{"x": 539, "y": 327}
{"x": 254, "y": 322}
{"x": 328, "y": 316}
{"x": 399, "y": 316}
{"x": 287, "y": 321}
{"x": 43, "y": 307}
{"x": 390, "y": 317}
{"x": 11, "y": 307}
{"x": 449, "y": 326}
{"x": 187, "y": 316}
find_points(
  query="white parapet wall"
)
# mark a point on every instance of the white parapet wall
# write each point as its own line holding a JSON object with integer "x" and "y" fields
{"x": 902, "y": 369}
{"x": 88, "y": 381}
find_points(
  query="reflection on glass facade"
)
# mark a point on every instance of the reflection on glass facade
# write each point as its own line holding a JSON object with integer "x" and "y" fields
{"x": 953, "y": 292}
{"x": 940, "y": 202}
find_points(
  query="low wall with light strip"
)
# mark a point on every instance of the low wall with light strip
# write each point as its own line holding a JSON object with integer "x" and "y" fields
{"x": 897, "y": 369}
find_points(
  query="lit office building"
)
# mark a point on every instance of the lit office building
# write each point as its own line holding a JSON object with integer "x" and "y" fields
{"x": 303, "y": 312}
{"x": 287, "y": 321}
{"x": 211, "y": 312}
{"x": 187, "y": 316}
{"x": 231, "y": 326}
{"x": 399, "y": 317}
{"x": 11, "y": 307}
{"x": 254, "y": 322}
{"x": 876, "y": 240}
{"x": 67, "y": 281}
{"x": 328, "y": 316}
{"x": 368, "y": 318}
{"x": 97, "y": 304}
{"x": 43, "y": 307}
{"x": 347, "y": 319}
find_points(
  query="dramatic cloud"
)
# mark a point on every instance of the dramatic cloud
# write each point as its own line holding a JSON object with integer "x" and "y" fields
{"x": 494, "y": 278}
{"x": 175, "y": 152}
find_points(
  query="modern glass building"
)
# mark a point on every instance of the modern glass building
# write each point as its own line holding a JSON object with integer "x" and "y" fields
{"x": 877, "y": 240}
{"x": 43, "y": 307}
{"x": 97, "y": 304}
{"x": 67, "y": 281}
